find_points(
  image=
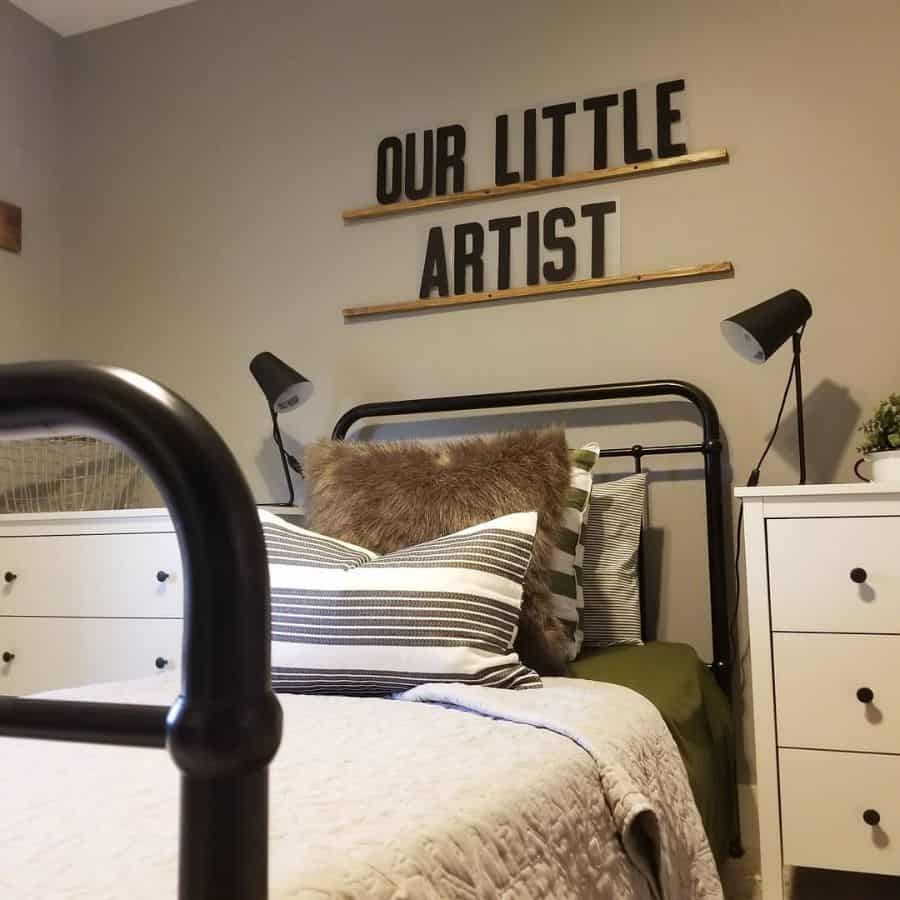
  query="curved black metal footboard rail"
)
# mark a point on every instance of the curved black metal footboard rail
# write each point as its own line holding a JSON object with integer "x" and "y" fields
{"x": 225, "y": 727}
{"x": 710, "y": 447}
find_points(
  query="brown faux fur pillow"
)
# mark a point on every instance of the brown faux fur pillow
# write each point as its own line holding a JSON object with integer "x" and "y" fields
{"x": 387, "y": 496}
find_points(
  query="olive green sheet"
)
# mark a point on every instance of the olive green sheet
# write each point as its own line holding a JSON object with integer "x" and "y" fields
{"x": 675, "y": 680}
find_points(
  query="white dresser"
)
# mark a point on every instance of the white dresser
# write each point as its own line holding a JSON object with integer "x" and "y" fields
{"x": 89, "y": 597}
{"x": 823, "y": 594}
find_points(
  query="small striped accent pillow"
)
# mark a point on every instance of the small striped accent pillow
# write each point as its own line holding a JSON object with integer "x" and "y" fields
{"x": 568, "y": 551}
{"x": 348, "y": 621}
{"x": 612, "y": 535}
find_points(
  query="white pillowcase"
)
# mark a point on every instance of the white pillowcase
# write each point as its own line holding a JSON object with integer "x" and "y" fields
{"x": 611, "y": 537}
{"x": 347, "y": 621}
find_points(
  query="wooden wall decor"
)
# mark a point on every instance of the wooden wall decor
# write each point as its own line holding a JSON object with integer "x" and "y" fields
{"x": 10, "y": 227}
{"x": 678, "y": 273}
{"x": 426, "y": 170}
{"x": 494, "y": 192}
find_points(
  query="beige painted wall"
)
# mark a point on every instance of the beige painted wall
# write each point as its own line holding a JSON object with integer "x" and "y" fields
{"x": 30, "y": 150}
{"x": 210, "y": 150}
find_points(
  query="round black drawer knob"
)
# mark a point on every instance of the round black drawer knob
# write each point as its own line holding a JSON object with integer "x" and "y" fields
{"x": 865, "y": 695}
{"x": 8, "y": 657}
{"x": 162, "y": 576}
{"x": 9, "y": 577}
{"x": 858, "y": 575}
{"x": 871, "y": 817}
{"x": 161, "y": 662}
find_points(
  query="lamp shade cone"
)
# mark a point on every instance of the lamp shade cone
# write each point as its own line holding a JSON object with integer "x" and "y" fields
{"x": 280, "y": 383}
{"x": 757, "y": 332}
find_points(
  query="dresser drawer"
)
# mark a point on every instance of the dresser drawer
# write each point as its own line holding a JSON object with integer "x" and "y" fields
{"x": 812, "y": 567}
{"x": 58, "y": 653}
{"x": 823, "y": 799}
{"x": 91, "y": 575}
{"x": 817, "y": 677}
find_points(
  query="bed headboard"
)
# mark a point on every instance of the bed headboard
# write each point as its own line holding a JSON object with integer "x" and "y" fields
{"x": 710, "y": 447}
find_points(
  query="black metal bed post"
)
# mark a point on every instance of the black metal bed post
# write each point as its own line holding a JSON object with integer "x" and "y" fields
{"x": 225, "y": 727}
{"x": 715, "y": 536}
{"x": 722, "y": 650}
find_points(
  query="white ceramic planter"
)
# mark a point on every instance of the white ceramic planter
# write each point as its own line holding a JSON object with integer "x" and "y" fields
{"x": 885, "y": 465}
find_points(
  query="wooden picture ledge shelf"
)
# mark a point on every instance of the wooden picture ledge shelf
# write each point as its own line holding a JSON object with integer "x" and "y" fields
{"x": 679, "y": 273}
{"x": 10, "y": 227}
{"x": 688, "y": 160}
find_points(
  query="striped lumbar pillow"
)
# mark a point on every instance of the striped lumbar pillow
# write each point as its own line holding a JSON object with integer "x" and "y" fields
{"x": 612, "y": 603}
{"x": 347, "y": 621}
{"x": 568, "y": 551}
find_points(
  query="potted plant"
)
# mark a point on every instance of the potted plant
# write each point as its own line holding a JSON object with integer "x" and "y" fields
{"x": 881, "y": 445}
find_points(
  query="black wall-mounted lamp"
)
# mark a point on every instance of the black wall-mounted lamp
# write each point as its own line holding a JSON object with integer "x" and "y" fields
{"x": 283, "y": 387}
{"x": 757, "y": 332}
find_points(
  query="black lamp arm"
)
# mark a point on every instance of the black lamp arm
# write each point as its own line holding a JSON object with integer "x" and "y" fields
{"x": 798, "y": 386}
{"x": 287, "y": 459}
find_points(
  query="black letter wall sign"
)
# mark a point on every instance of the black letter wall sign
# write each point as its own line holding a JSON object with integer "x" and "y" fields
{"x": 599, "y": 106}
{"x": 434, "y": 273}
{"x": 389, "y": 182}
{"x": 504, "y": 227}
{"x": 665, "y": 116}
{"x": 426, "y": 166}
{"x": 415, "y": 169}
{"x": 537, "y": 251}
{"x": 551, "y": 246}
{"x": 428, "y": 169}
{"x": 451, "y": 151}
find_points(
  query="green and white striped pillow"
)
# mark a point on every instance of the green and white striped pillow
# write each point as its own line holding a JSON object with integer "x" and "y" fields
{"x": 568, "y": 553}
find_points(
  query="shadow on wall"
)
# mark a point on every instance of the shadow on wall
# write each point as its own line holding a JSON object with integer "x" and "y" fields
{"x": 830, "y": 415}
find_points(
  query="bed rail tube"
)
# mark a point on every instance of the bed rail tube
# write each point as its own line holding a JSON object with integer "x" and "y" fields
{"x": 125, "y": 724}
{"x": 225, "y": 726}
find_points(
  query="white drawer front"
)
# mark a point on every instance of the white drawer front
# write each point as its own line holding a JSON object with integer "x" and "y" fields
{"x": 817, "y": 678}
{"x": 59, "y": 653}
{"x": 811, "y": 567}
{"x": 824, "y": 797}
{"x": 91, "y": 575}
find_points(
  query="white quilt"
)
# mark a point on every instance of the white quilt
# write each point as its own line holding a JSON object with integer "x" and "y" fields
{"x": 380, "y": 799}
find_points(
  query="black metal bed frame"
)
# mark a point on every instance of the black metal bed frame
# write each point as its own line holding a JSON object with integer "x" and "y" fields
{"x": 710, "y": 447}
{"x": 224, "y": 728}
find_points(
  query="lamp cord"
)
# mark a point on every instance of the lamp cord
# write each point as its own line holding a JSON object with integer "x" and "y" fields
{"x": 286, "y": 458}
{"x": 292, "y": 460}
{"x": 752, "y": 481}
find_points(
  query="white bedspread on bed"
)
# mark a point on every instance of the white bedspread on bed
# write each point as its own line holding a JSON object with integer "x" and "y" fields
{"x": 381, "y": 799}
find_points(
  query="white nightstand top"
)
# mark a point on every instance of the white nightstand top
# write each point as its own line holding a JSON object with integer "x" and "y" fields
{"x": 154, "y": 512}
{"x": 104, "y": 521}
{"x": 860, "y": 488}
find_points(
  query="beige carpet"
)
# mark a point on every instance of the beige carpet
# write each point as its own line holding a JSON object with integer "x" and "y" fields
{"x": 741, "y": 882}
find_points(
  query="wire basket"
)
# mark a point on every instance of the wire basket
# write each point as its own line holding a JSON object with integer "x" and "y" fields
{"x": 67, "y": 474}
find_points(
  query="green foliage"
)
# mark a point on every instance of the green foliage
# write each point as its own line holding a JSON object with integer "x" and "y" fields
{"x": 882, "y": 431}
